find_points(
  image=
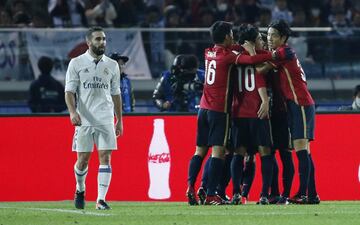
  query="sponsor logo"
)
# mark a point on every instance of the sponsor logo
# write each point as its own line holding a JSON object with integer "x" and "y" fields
{"x": 159, "y": 158}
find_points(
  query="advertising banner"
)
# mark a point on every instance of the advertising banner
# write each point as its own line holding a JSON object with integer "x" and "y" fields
{"x": 151, "y": 163}
{"x": 9, "y": 55}
{"x": 61, "y": 46}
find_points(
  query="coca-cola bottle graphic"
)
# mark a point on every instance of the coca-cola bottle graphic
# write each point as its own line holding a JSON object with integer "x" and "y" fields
{"x": 159, "y": 163}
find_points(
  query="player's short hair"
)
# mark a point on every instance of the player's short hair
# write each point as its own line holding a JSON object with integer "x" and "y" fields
{"x": 247, "y": 32}
{"x": 283, "y": 27}
{"x": 219, "y": 30}
{"x": 356, "y": 90}
{"x": 91, "y": 30}
{"x": 45, "y": 64}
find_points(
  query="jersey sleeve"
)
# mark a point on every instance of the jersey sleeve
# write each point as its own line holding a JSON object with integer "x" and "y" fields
{"x": 115, "y": 82}
{"x": 256, "y": 59}
{"x": 72, "y": 78}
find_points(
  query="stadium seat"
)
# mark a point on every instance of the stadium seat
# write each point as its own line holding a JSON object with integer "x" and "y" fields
{"x": 338, "y": 70}
{"x": 312, "y": 70}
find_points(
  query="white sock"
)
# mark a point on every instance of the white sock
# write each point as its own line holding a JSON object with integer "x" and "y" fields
{"x": 80, "y": 176}
{"x": 104, "y": 178}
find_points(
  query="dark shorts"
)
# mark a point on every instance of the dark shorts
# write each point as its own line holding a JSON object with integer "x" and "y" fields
{"x": 301, "y": 121}
{"x": 280, "y": 131}
{"x": 251, "y": 133}
{"x": 213, "y": 128}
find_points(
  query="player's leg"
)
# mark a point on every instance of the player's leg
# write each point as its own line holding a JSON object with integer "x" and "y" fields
{"x": 262, "y": 138}
{"x": 287, "y": 175}
{"x": 105, "y": 140}
{"x": 226, "y": 176}
{"x": 215, "y": 172}
{"x": 83, "y": 144}
{"x": 205, "y": 175}
{"x": 248, "y": 176}
{"x": 266, "y": 172}
{"x": 237, "y": 167}
{"x": 218, "y": 138}
{"x": 301, "y": 122}
{"x": 313, "y": 197}
{"x": 274, "y": 194}
{"x": 194, "y": 169}
{"x": 104, "y": 178}
{"x": 200, "y": 153}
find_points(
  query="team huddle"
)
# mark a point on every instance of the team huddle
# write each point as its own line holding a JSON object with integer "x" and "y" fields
{"x": 255, "y": 100}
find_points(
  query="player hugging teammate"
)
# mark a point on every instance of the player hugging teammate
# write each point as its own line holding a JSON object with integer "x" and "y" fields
{"x": 237, "y": 83}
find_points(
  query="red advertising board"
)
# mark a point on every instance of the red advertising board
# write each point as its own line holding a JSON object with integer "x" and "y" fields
{"x": 36, "y": 161}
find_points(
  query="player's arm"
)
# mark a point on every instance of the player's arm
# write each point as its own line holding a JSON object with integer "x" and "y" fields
{"x": 263, "y": 111}
{"x": 118, "y": 112}
{"x": 256, "y": 59}
{"x": 71, "y": 84}
{"x": 116, "y": 98}
{"x": 70, "y": 103}
{"x": 262, "y": 68}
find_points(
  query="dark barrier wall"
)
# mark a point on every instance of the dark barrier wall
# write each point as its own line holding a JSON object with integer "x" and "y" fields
{"x": 36, "y": 162}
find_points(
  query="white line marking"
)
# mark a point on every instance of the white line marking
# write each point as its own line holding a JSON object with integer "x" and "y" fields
{"x": 82, "y": 212}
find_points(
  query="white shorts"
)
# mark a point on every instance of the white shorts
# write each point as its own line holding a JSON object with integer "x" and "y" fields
{"x": 86, "y": 136}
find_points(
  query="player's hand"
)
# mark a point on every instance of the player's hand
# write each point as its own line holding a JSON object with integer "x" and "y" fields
{"x": 119, "y": 128}
{"x": 285, "y": 53}
{"x": 263, "y": 111}
{"x": 75, "y": 119}
{"x": 249, "y": 47}
{"x": 166, "y": 105}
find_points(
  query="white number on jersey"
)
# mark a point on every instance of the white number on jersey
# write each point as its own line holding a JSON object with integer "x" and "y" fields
{"x": 303, "y": 77}
{"x": 249, "y": 75}
{"x": 210, "y": 72}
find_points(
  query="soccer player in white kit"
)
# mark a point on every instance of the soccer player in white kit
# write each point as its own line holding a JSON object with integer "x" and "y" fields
{"x": 92, "y": 94}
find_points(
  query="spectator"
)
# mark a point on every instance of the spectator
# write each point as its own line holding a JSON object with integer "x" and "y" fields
{"x": 129, "y": 12}
{"x": 281, "y": 12}
{"x": 341, "y": 24}
{"x": 356, "y": 100}
{"x": 356, "y": 22}
{"x": 41, "y": 19}
{"x": 328, "y": 11}
{"x": 22, "y": 19}
{"x": 264, "y": 18}
{"x": 46, "y": 93}
{"x": 154, "y": 42}
{"x": 127, "y": 94}
{"x": 252, "y": 11}
{"x": 67, "y": 13}
{"x": 5, "y": 19}
{"x": 100, "y": 13}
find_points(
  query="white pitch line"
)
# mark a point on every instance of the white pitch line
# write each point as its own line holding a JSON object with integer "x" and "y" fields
{"x": 82, "y": 212}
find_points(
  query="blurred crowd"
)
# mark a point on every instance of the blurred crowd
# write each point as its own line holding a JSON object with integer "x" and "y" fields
{"x": 178, "y": 13}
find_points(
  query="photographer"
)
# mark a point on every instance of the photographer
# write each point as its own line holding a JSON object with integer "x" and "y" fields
{"x": 180, "y": 89}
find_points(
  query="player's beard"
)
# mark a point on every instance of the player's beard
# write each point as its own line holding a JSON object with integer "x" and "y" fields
{"x": 99, "y": 51}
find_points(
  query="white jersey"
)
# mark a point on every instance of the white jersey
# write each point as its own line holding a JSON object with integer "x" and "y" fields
{"x": 93, "y": 84}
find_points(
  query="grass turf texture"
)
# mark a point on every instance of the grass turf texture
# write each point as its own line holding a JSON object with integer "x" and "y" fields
{"x": 63, "y": 212}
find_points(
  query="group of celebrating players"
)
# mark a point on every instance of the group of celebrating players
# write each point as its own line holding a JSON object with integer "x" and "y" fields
{"x": 255, "y": 99}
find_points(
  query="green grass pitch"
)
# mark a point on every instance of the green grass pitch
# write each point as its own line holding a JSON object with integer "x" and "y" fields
{"x": 63, "y": 212}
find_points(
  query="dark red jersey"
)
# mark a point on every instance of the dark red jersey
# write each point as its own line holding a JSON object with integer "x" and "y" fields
{"x": 278, "y": 99}
{"x": 246, "y": 100}
{"x": 293, "y": 80}
{"x": 219, "y": 64}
